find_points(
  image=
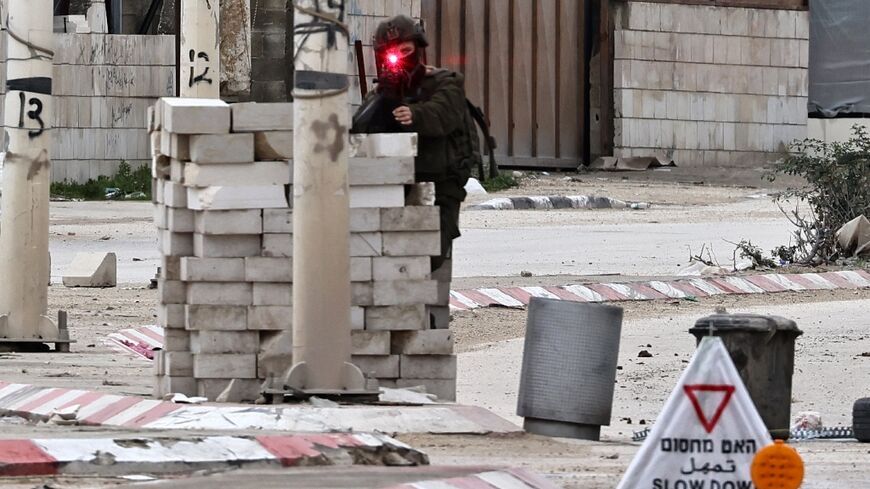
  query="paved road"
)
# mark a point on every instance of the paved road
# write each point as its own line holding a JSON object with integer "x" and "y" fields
{"x": 655, "y": 242}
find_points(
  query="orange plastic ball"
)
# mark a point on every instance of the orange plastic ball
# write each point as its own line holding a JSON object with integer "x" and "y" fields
{"x": 777, "y": 466}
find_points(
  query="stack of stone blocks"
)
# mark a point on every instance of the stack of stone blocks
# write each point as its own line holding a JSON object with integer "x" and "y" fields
{"x": 709, "y": 85}
{"x": 221, "y": 176}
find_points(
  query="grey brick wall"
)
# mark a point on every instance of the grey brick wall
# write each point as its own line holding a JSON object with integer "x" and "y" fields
{"x": 711, "y": 86}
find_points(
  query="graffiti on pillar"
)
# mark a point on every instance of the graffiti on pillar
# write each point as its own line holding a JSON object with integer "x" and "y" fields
{"x": 319, "y": 25}
{"x": 203, "y": 77}
{"x": 31, "y": 106}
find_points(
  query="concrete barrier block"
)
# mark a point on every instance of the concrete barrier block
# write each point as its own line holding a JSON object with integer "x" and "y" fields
{"x": 176, "y": 340}
{"x": 212, "y": 269}
{"x": 377, "y": 196}
{"x": 236, "y": 198}
{"x": 396, "y": 318}
{"x": 366, "y": 244}
{"x": 378, "y": 366}
{"x": 171, "y": 291}
{"x": 177, "y": 364}
{"x": 277, "y": 294}
{"x": 428, "y": 367}
{"x": 226, "y": 246}
{"x": 411, "y": 218}
{"x": 195, "y": 116}
{"x": 412, "y": 243}
{"x": 224, "y": 342}
{"x": 215, "y": 317}
{"x": 260, "y": 173}
{"x": 401, "y": 268}
{"x": 222, "y": 148}
{"x": 383, "y": 145}
{"x": 277, "y": 245}
{"x": 278, "y": 221}
{"x": 228, "y": 222}
{"x": 174, "y": 385}
{"x": 225, "y": 366}
{"x": 360, "y": 269}
{"x": 273, "y": 145}
{"x": 179, "y": 220}
{"x": 268, "y": 269}
{"x": 92, "y": 270}
{"x": 444, "y": 390}
{"x": 425, "y": 342}
{"x": 171, "y": 316}
{"x": 219, "y": 293}
{"x": 270, "y": 318}
{"x": 257, "y": 117}
{"x": 370, "y": 342}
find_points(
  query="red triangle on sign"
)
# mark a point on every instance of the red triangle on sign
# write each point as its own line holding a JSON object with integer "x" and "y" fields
{"x": 692, "y": 392}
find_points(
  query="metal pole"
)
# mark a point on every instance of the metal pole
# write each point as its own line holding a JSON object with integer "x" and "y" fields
{"x": 24, "y": 260}
{"x": 199, "y": 52}
{"x": 321, "y": 236}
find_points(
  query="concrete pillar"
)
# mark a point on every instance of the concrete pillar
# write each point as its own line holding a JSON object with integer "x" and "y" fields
{"x": 24, "y": 260}
{"x": 321, "y": 223}
{"x": 199, "y": 55}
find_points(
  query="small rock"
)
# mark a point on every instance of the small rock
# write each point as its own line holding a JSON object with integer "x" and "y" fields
{"x": 644, "y": 354}
{"x": 611, "y": 457}
{"x": 518, "y": 174}
{"x": 137, "y": 259}
{"x": 526, "y": 274}
{"x": 105, "y": 238}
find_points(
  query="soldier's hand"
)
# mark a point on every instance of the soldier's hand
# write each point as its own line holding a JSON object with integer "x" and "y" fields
{"x": 403, "y": 116}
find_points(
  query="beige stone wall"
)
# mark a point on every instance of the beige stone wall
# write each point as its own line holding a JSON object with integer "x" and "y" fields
{"x": 709, "y": 86}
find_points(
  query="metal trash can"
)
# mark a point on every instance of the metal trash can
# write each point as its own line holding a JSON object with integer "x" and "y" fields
{"x": 569, "y": 368}
{"x": 762, "y": 348}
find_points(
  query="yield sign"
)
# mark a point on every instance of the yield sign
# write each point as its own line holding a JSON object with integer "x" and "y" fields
{"x": 708, "y": 421}
{"x": 707, "y": 433}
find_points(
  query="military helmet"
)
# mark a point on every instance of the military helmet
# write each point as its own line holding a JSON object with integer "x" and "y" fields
{"x": 399, "y": 29}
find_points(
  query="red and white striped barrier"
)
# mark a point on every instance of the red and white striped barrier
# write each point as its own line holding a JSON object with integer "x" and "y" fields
{"x": 143, "y": 341}
{"x": 502, "y": 479}
{"x": 121, "y": 456}
{"x": 665, "y": 289}
{"x": 100, "y": 409}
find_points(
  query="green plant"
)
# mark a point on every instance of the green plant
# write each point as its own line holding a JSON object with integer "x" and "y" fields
{"x": 837, "y": 190}
{"x": 503, "y": 181}
{"x": 133, "y": 183}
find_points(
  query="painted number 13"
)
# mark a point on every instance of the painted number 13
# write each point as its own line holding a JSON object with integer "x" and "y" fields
{"x": 35, "y": 114}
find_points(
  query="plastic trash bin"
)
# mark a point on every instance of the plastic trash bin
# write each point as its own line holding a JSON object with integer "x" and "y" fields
{"x": 762, "y": 348}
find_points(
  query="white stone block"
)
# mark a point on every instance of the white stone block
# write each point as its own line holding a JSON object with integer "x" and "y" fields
{"x": 378, "y": 366}
{"x": 370, "y": 342}
{"x": 273, "y": 145}
{"x": 268, "y": 269}
{"x": 222, "y": 148}
{"x": 360, "y": 269}
{"x": 224, "y": 342}
{"x": 401, "y": 268}
{"x": 176, "y": 170}
{"x": 277, "y": 245}
{"x": 229, "y": 390}
{"x": 366, "y": 244}
{"x": 411, "y": 218}
{"x": 228, "y": 222}
{"x": 218, "y": 293}
{"x": 405, "y": 292}
{"x": 278, "y": 221}
{"x": 174, "y": 385}
{"x": 176, "y": 339}
{"x": 218, "y": 317}
{"x": 428, "y": 367}
{"x": 377, "y": 196}
{"x": 365, "y": 220}
{"x": 91, "y": 270}
{"x": 177, "y": 364}
{"x": 426, "y": 342}
{"x": 160, "y": 170}
{"x": 171, "y": 316}
{"x": 196, "y": 116}
{"x": 275, "y": 294}
{"x": 175, "y": 145}
{"x": 255, "y": 117}
{"x": 229, "y": 198}
{"x": 179, "y": 220}
{"x": 174, "y": 194}
{"x": 361, "y": 294}
{"x": 212, "y": 269}
{"x": 413, "y": 243}
{"x": 226, "y": 246}
{"x": 270, "y": 318}
{"x": 357, "y": 318}
{"x": 171, "y": 291}
{"x": 225, "y": 366}
{"x": 176, "y": 244}
{"x": 396, "y": 318}
{"x": 261, "y": 173}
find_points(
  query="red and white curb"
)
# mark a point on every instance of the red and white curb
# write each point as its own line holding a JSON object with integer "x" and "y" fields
{"x": 122, "y": 456}
{"x": 502, "y": 479}
{"x": 143, "y": 341}
{"x": 100, "y": 409}
{"x": 519, "y": 297}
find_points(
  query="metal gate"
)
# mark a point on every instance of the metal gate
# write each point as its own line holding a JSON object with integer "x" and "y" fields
{"x": 524, "y": 64}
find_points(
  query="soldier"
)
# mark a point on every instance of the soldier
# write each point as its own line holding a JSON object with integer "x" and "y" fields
{"x": 431, "y": 102}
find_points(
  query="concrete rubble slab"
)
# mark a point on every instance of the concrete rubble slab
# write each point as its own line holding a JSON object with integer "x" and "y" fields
{"x": 90, "y": 408}
{"x": 168, "y": 455}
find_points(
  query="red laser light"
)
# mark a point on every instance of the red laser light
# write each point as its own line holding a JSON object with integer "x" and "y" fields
{"x": 393, "y": 58}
